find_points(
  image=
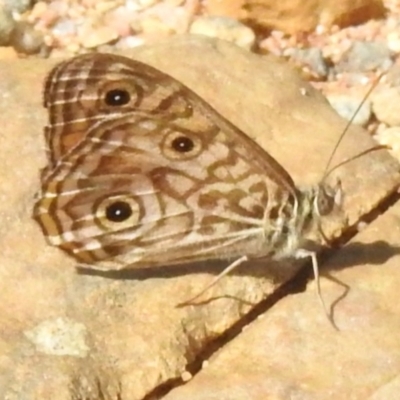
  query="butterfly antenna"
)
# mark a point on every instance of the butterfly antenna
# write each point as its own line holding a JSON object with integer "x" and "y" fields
{"x": 359, "y": 155}
{"x": 328, "y": 164}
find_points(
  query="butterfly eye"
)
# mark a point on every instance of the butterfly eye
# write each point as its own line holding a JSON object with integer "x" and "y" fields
{"x": 328, "y": 198}
{"x": 117, "y": 97}
{"x": 324, "y": 201}
{"x": 181, "y": 146}
{"x": 117, "y": 212}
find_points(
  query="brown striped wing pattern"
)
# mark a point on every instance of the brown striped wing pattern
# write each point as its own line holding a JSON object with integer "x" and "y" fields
{"x": 142, "y": 172}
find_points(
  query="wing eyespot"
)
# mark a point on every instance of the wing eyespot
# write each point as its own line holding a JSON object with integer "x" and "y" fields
{"x": 117, "y": 97}
{"x": 117, "y": 212}
{"x": 181, "y": 146}
{"x": 118, "y": 94}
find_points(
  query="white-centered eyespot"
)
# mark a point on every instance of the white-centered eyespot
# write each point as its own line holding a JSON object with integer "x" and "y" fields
{"x": 119, "y": 94}
{"x": 117, "y": 212}
{"x": 178, "y": 145}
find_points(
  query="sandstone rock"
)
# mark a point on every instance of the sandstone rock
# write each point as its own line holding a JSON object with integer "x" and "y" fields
{"x": 226, "y": 29}
{"x": 229, "y": 8}
{"x": 390, "y": 137}
{"x": 93, "y": 336}
{"x": 363, "y": 56}
{"x": 8, "y": 53}
{"x": 347, "y": 107}
{"x": 92, "y": 37}
{"x": 292, "y": 16}
{"x": 291, "y": 352}
{"x": 26, "y": 39}
{"x": 7, "y": 25}
{"x": 386, "y": 105}
{"x": 311, "y": 61}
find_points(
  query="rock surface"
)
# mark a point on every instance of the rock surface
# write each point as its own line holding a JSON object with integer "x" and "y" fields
{"x": 291, "y": 351}
{"x": 365, "y": 56}
{"x": 293, "y": 16}
{"x": 86, "y": 336}
{"x": 386, "y": 105}
{"x": 224, "y": 28}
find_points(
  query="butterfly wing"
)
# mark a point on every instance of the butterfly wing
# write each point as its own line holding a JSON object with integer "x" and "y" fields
{"x": 78, "y": 93}
{"x": 167, "y": 181}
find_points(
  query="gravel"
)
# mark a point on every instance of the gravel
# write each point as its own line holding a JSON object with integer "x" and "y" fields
{"x": 334, "y": 60}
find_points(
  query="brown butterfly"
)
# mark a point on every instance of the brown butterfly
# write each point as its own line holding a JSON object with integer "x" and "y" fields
{"x": 142, "y": 172}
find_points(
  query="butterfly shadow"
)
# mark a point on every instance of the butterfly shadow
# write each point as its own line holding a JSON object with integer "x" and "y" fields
{"x": 299, "y": 271}
{"x": 352, "y": 255}
{"x": 165, "y": 271}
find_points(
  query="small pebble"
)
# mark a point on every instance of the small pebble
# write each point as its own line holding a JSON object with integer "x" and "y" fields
{"x": 365, "y": 56}
{"x": 7, "y": 25}
{"x": 26, "y": 39}
{"x": 361, "y": 226}
{"x": 347, "y": 106}
{"x": 147, "y": 3}
{"x": 129, "y": 42}
{"x": 92, "y": 37}
{"x": 311, "y": 58}
{"x": 186, "y": 376}
{"x": 224, "y": 28}
{"x": 152, "y": 25}
{"x": 391, "y": 138}
{"x": 120, "y": 20}
{"x": 386, "y": 105}
{"x": 393, "y": 76}
{"x": 393, "y": 41}
{"x": 65, "y": 27}
{"x": 18, "y": 6}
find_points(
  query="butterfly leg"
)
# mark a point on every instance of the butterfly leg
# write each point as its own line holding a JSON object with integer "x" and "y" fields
{"x": 226, "y": 271}
{"x": 302, "y": 253}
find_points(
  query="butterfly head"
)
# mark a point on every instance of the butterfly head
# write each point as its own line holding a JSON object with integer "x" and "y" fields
{"x": 327, "y": 199}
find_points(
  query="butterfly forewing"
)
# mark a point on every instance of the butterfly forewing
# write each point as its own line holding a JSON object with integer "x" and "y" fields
{"x": 75, "y": 96}
{"x": 143, "y": 172}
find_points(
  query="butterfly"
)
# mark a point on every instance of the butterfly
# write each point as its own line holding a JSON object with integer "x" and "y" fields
{"x": 142, "y": 172}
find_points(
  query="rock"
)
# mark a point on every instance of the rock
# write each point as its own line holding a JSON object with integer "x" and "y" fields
{"x": 129, "y": 42}
{"x": 65, "y": 27}
{"x": 224, "y": 28}
{"x": 147, "y": 3}
{"x": 292, "y": 16}
{"x": 59, "y": 336}
{"x": 68, "y": 335}
{"x": 312, "y": 60}
{"x": 26, "y": 39}
{"x": 365, "y": 56}
{"x": 120, "y": 19}
{"x": 390, "y": 137}
{"x": 153, "y": 25}
{"x": 227, "y": 8}
{"x": 393, "y": 76}
{"x": 92, "y": 37}
{"x": 347, "y": 107}
{"x": 280, "y": 357}
{"x": 17, "y": 6}
{"x": 386, "y": 105}
{"x": 393, "y": 41}
{"x": 7, "y": 25}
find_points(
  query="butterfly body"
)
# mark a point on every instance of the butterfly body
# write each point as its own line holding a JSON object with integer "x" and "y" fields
{"x": 144, "y": 173}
